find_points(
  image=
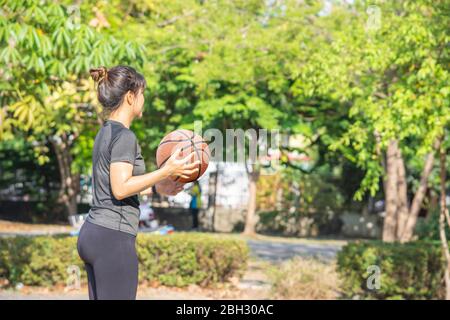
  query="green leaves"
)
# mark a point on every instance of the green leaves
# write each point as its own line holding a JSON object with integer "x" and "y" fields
{"x": 394, "y": 79}
{"x": 244, "y": 111}
{"x": 408, "y": 271}
{"x": 48, "y": 53}
{"x": 237, "y": 65}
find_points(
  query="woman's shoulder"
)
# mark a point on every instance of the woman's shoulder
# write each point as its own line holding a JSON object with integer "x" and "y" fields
{"x": 123, "y": 135}
{"x": 120, "y": 130}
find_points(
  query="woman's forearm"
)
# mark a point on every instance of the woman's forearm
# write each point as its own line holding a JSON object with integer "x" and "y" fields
{"x": 124, "y": 184}
{"x": 137, "y": 184}
{"x": 146, "y": 192}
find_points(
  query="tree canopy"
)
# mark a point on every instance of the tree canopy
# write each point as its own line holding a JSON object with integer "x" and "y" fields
{"x": 364, "y": 82}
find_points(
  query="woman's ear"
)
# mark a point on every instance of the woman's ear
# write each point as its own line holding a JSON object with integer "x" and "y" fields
{"x": 130, "y": 98}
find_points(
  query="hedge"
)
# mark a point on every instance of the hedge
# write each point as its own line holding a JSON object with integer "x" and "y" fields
{"x": 178, "y": 259}
{"x": 413, "y": 270}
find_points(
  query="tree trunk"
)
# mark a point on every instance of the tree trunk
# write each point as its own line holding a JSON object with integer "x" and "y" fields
{"x": 400, "y": 219}
{"x": 390, "y": 219}
{"x": 416, "y": 204}
{"x": 250, "y": 221}
{"x": 69, "y": 183}
{"x": 442, "y": 221}
{"x": 402, "y": 193}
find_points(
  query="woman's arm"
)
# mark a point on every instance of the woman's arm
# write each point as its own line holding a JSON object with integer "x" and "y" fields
{"x": 146, "y": 192}
{"x": 124, "y": 184}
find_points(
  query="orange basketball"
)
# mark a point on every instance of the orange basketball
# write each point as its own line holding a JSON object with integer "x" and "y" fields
{"x": 188, "y": 141}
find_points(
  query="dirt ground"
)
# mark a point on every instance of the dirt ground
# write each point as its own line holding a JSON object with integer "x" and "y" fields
{"x": 9, "y": 227}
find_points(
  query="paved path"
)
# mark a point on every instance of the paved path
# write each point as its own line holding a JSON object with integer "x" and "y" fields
{"x": 278, "y": 251}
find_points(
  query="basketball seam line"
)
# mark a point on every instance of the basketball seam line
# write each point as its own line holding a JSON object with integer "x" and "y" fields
{"x": 182, "y": 149}
{"x": 196, "y": 151}
{"x": 166, "y": 141}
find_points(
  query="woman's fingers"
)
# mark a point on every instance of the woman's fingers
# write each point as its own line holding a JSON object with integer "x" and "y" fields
{"x": 188, "y": 157}
{"x": 189, "y": 172}
{"x": 191, "y": 165}
{"x": 176, "y": 154}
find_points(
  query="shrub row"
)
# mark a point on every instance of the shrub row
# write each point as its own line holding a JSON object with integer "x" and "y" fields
{"x": 178, "y": 259}
{"x": 413, "y": 270}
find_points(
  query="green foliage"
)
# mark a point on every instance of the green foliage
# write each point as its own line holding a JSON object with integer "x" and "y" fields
{"x": 301, "y": 197}
{"x": 175, "y": 260}
{"x": 190, "y": 258}
{"x": 227, "y": 63}
{"x": 17, "y": 162}
{"x": 37, "y": 261}
{"x": 46, "y": 49}
{"x": 428, "y": 228}
{"x": 234, "y": 64}
{"x": 407, "y": 271}
{"x": 251, "y": 64}
{"x": 397, "y": 80}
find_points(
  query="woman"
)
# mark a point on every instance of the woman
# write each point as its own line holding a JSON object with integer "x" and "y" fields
{"x": 106, "y": 241}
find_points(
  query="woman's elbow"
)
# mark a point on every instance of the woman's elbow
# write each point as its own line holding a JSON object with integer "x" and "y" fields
{"x": 118, "y": 193}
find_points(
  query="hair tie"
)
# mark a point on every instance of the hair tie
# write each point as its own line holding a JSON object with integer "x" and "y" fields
{"x": 103, "y": 75}
{"x": 99, "y": 74}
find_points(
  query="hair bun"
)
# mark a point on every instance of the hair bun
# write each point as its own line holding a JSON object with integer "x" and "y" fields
{"x": 99, "y": 74}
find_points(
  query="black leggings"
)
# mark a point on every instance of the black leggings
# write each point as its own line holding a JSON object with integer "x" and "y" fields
{"x": 111, "y": 262}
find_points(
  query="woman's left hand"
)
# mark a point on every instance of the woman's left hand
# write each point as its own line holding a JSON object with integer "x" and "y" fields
{"x": 169, "y": 187}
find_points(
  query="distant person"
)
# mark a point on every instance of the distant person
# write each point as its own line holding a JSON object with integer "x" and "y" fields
{"x": 196, "y": 203}
{"x": 106, "y": 241}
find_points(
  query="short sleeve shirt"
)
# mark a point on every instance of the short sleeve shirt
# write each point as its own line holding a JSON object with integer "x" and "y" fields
{"x": 114, "y": 143}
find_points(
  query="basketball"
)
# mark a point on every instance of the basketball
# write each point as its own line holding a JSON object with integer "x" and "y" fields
{"x": 188, "y": 141}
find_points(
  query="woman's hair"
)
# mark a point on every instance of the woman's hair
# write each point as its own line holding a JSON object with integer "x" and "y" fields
{"x": 113, "y": 84}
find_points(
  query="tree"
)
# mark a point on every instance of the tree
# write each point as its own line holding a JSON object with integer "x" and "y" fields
{"x": 444, "y": 217}
{"x": 378, "y": 95}
{"x": 218, "y": 62}
{"x": 46, "y": 51}
{"x": 234, "y": 65}
{"x": 396, "y": 80}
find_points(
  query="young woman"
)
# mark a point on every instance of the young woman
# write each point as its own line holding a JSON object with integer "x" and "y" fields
{"x": 106, "y": 242}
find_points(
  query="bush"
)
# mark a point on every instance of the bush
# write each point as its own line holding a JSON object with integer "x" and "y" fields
{"x": 300, "y": 278}
{"x": 413, "y": 270}
{"x": 37, "y": 260}
{"x": 428, "y": 228}
{"x": 174, "y": 260}
{"x": 183, "y": 259}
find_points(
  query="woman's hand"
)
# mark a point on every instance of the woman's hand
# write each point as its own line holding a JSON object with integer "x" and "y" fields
{"x": 180, "y": 167}
{"x": 124, "y": 184}
{"x": 168, "y": 187}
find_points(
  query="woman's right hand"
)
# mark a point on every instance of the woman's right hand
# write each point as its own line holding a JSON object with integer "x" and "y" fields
{"x": 181, "y": 167}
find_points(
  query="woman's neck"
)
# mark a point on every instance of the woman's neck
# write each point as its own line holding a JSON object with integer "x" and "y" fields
{"x": 122, "y": 118}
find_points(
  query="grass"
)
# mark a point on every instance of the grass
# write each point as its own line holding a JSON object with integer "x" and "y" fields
{"x": 300, "y": 278}
{"x": 21, "y": 227}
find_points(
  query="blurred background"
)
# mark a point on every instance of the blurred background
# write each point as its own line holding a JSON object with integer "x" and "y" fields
{"x": 359, "y": 91}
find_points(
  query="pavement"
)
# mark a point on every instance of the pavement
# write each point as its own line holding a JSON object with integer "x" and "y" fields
{"x": 279, "y": 251}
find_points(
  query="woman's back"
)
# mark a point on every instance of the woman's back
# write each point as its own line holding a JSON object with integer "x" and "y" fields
{"x": 114, "y": 143}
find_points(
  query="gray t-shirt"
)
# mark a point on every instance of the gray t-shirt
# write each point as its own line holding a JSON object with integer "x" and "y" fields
{"x": 114, "y": 143}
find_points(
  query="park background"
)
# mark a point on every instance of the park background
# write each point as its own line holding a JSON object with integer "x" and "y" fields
{"x": 356, "y": 205}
